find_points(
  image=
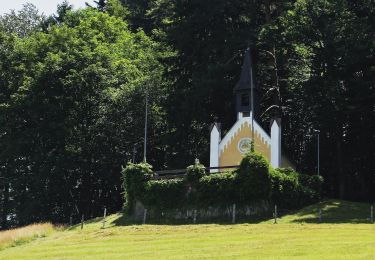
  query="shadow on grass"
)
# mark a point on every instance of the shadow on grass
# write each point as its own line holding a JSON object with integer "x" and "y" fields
{"x": 125, "y": 220}
{"x": 334, "y": 211}
{"x": 86, "y": 222}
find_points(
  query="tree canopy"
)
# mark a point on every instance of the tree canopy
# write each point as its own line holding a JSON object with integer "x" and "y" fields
{"x": 73, "y": 88}
{"x": 72, "y": 109}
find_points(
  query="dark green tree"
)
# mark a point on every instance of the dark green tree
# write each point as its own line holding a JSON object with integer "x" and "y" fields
{"x": 23, "y": 22}
{"x": 59, "y": 17}
{"x": 72, "y": 110}
{"x": 100, "y": 5}
{"x": 325, "y": 52}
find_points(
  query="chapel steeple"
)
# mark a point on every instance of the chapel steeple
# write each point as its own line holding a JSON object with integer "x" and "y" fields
{"x": 242, "y": 90}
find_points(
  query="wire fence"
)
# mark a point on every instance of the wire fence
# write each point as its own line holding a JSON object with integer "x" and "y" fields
{"x": 330, "y": 212}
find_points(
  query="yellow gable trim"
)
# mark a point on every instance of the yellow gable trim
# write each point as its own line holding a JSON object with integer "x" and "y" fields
{"x": 230, "y": 154}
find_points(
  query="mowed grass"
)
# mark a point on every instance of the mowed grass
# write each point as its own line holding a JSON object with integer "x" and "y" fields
{"x": 331, "y": 211}
{"x": 286, "y": 240}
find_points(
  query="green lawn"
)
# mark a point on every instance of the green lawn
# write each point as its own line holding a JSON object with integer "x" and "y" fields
{"x": 293, "y": 237}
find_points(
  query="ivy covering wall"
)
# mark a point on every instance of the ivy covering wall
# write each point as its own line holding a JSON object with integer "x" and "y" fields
{"x": 254, "y": 182}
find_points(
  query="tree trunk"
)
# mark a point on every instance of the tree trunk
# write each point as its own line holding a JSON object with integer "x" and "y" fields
{"x": 273, "y": 63}
{"x": 5, "y": 211}
{"x": 267, "y": 10}
{"x": 340, "y": 169}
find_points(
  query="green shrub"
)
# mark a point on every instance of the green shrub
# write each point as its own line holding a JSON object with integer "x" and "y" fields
{"x": 289, "y": 172}
{"x": 253, "y": 179}
{"x": 285, "y": 189}
{"x": 194, "y": 173}
{"x": 253, "y": 182}
{"x": 165, "y": 194}
{"x": 313, "y": 182}
{"x": 311, "y": 187}
{"x": 292, "y": 190}
{"x": 134, "y": 178}
{"x": 217, "y": 189}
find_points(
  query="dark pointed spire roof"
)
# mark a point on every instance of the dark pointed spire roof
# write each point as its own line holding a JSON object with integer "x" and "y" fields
{"x": 245, "y": 79}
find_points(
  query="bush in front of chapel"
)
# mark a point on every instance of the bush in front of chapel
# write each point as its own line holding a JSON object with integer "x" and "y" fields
{"x": 165, "y": 194}
{"x": 253, "y": 183}
{"x": 194, "y": 173}
{"x": 253, "y": 179}
{"x": 134, "y": 177}
{"x": 291, "y": 189}
{"x": 217, "y": 189}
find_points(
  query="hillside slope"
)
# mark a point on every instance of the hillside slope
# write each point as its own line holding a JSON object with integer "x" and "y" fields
{"x": 241, "y": 241}
{"x": 331, "y": 211}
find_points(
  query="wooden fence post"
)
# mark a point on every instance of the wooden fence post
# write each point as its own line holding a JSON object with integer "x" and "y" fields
{"x": 234, "y": 214}
{"x": 320, "y": 215}
{"x": 144, "y": 216}
{"x": 372, "y": 214}
{"x": 104, "y": 216}
{"x": 71, "y": 220}
{"x": 82, "y": 220}
{"x": 195, "y": 217}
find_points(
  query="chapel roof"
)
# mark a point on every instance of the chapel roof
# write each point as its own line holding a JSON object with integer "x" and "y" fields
{"x": 244, "y": 82}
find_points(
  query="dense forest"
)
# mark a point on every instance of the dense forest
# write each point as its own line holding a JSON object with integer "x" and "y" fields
{"x": 73, "y": 88}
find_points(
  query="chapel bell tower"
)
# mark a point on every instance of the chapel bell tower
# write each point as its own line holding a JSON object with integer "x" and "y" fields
{"x": 242, "y": 90}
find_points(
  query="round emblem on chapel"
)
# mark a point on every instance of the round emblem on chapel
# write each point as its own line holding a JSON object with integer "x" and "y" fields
{"x": 244, "y": 145}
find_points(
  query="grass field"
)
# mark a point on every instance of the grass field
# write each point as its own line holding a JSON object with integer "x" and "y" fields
{"x": 18, "y": 236}
{"x": 293, "y": 237}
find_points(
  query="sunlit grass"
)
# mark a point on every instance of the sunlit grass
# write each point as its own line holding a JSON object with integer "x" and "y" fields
{"x": 242, "y": 241}
{"x": 295, "y": 236}
{"x": 330, "y": 211}
{"x": 17, "y": 236}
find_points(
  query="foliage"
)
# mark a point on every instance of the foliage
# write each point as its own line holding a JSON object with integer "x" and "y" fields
{"x": 134, "y": 178}
{"x": 61, "y": 14}
{"x": 313, "y": 182}
{"x": 24, "y": 22}
{"x": 194, "y": 173}
{"x": 72, "y": 94}
{"x": 253, "y": 181}
{"x": 250, "y": 184}
{"x": 293, "y": 190}
{"x": 325, "y": 52}
{"x": 71, "y": 103}
{"x": 115, "y": 8}
{"x": 217, "y": 189}
{"x": 285, "y": 189}
{"x": 313, "y": 62}
{"x": 165, "y": 194}
{"x": 192, "y": 178}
